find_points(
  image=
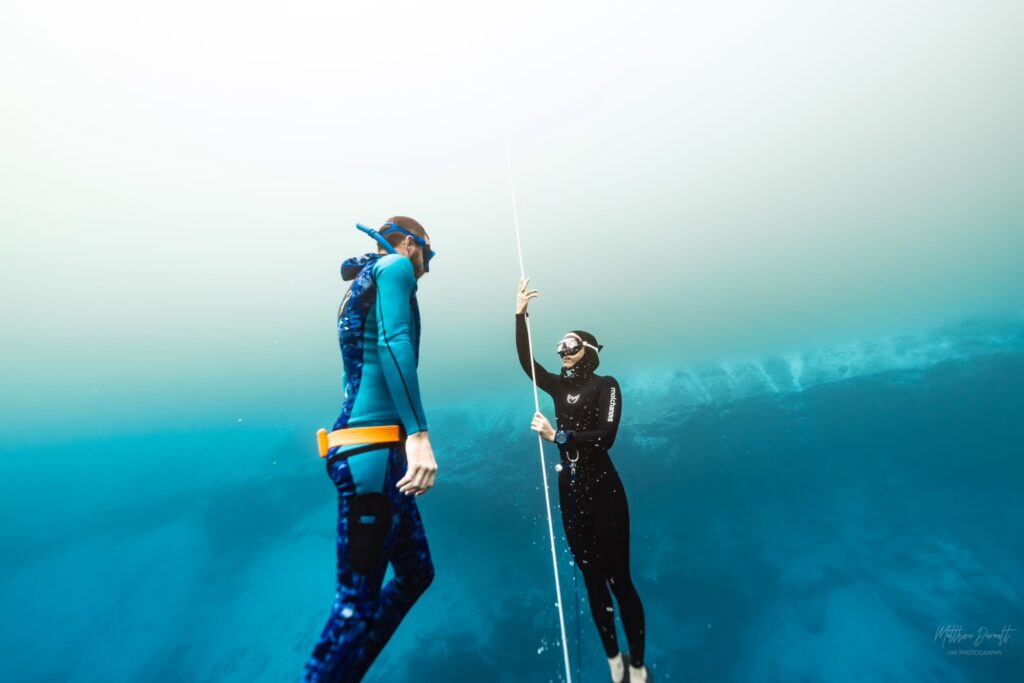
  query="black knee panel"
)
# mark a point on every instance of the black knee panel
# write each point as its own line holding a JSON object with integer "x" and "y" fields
{"x": 369, "y": 520}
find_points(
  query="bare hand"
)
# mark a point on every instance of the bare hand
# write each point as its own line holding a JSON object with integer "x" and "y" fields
{"x": 422, "y": 467}
{"x": 541, "y": 425}
{"x": 523, "y": 300}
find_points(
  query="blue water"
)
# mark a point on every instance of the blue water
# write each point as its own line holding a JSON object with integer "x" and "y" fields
{"x": 810, "y": 518}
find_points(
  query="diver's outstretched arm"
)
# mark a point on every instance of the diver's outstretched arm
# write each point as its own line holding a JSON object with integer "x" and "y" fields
{"x": 545, "y": 380}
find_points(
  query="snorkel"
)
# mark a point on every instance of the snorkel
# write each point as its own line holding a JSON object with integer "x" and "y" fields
{"x": 391, "y": 227}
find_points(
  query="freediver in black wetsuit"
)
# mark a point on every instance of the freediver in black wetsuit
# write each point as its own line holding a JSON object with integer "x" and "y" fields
{"x": 595, "y": 513}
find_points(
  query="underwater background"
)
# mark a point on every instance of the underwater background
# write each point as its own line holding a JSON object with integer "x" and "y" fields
{"x": 817, "y": 517}
{"x": 797, "y": 228}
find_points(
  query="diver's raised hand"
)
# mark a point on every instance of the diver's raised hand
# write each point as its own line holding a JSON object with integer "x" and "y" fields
{"x": 541, "y": 425}
{"x": 422, "y": 467}
{"x": 523, "y": 300}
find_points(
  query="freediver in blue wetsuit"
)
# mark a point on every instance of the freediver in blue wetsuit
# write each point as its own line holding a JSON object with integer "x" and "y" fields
{"x": 385, "y": 458}
{"x": 595, "y": 513}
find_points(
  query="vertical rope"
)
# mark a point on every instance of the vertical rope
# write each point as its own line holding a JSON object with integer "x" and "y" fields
{"x": 575, "y": 566}
{"x": 536, "y": 406}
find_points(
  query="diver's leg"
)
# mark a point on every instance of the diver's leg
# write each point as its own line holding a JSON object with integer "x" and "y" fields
{"x": 362, "y": 552}
{"x": 410, "y": 558}
{"x": 631, "y": 610}
{"x": 601, "y": 609}
{"x": 577, "y": 507}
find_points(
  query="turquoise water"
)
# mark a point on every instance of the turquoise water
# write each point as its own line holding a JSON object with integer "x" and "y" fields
{"x": 795, "y": 226}
{"x": 814, "y": 517}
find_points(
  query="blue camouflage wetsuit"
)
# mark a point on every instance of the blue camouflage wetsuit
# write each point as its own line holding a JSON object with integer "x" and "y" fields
{"x": 379, "y": 333}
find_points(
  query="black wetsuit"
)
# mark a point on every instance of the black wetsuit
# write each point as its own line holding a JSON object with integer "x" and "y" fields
{"x": 595, "y": 513}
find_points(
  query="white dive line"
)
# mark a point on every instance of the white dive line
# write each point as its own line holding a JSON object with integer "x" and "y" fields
{"x": 536, "y": 406}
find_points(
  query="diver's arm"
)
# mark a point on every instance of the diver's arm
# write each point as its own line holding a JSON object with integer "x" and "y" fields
{"x": 545, "y": 380}
{"x": 609, "y": 410}
{"x": 541, "y": 425}
{"x": 396, "y": 282}
{"x": 421, "y": 471}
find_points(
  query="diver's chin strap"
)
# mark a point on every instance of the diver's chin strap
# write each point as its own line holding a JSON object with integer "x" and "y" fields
{"x": 378, "y": 237}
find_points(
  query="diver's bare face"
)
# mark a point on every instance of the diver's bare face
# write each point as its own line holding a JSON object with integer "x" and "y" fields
{"x": 420, "y": 254}
{"x": 410, "y": 249}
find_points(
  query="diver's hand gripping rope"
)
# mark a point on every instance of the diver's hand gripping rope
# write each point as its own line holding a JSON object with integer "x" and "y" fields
{"x": 536, "y": 406}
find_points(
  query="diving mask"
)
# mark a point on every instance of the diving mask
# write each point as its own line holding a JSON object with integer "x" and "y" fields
{"x": 571, "y": 345}
{"x": 428, "y": 253}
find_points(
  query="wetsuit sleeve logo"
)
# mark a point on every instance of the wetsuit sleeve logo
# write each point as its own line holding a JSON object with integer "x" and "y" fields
{"x": 611, "y": 406}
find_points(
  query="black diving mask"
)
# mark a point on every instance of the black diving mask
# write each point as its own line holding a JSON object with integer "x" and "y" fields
{"x": 571, "y": 345}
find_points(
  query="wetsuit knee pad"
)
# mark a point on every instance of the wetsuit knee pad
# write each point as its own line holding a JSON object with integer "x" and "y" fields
{"x": 369, "y": 521}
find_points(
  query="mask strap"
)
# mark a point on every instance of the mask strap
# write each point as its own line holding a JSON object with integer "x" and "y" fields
{"x": 415, "y": 238}
{"x": 422, "y": 243}
{"x": 428, "y": 253}
{"x": 377, "y": 236}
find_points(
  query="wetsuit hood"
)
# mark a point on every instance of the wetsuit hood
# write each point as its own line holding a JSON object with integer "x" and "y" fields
{"x": 585, "y": 367}
{"x": 351, "y": 267}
